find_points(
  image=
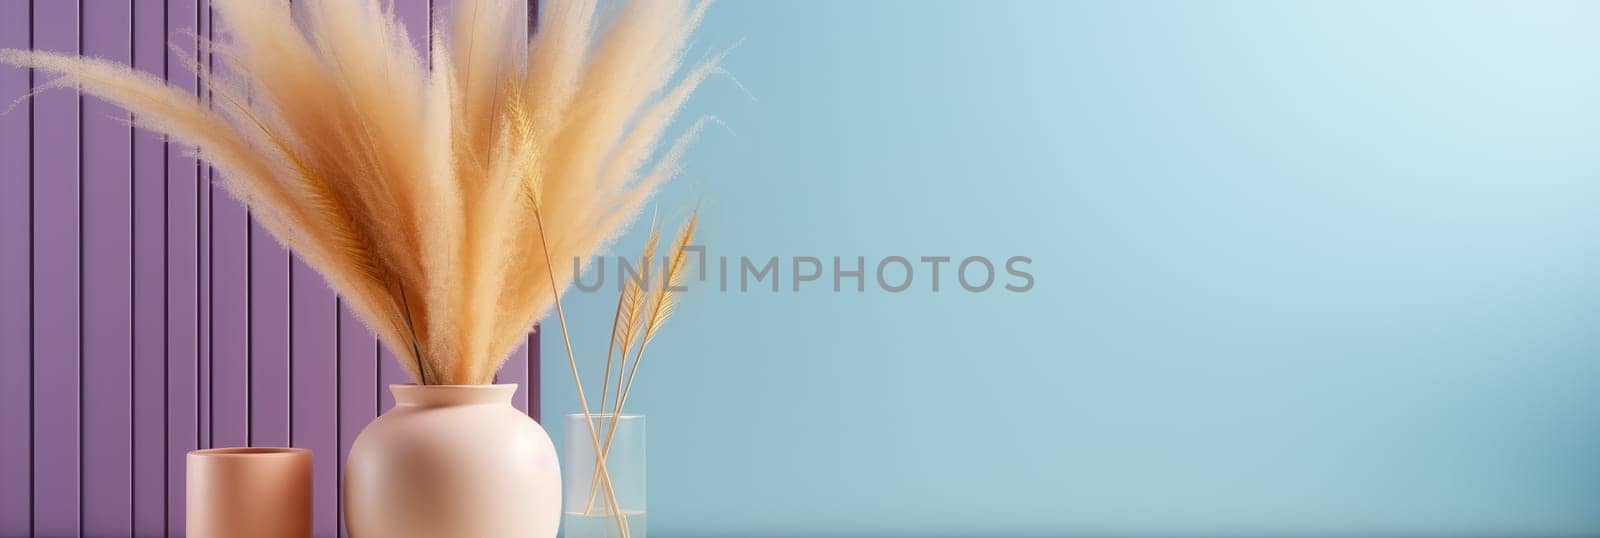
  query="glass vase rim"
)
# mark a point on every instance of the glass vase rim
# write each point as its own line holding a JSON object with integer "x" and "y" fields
{"x": 607, "y": 415}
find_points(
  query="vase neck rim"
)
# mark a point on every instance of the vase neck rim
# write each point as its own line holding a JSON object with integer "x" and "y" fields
{"x": 445, "y": 395}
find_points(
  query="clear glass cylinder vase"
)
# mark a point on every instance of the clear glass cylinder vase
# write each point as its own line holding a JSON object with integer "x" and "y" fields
{"x": 590, "y": 502}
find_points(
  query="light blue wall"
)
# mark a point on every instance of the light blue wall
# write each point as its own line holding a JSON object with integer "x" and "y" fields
{"x": 1309, "y": 267}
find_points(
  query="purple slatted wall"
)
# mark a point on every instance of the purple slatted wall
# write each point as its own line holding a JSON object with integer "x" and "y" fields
{"x": 142, "y": 311}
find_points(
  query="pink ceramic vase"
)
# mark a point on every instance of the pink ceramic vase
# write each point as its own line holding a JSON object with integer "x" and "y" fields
{"x": 452, "y": 460}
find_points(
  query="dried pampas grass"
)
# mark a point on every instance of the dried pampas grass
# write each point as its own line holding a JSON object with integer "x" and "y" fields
{"x": 413, "y": 189}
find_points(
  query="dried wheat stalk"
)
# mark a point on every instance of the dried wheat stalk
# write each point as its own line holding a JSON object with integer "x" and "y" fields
{"x": 647, "y": 310}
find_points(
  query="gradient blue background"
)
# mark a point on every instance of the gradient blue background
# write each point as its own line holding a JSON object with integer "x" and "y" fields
{"x": 1302, "y": 267}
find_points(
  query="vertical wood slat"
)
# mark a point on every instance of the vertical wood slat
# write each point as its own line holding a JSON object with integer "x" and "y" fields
{"x": 358, "y": 386}
{"x": 56, "y": 265}
{"x": 16, "y": 260}
{"x": 106, "y": 287}
{"x": 389, "y": 373}
{"x": 269, "y": 340}
{"x": 531, "y": 354}
{"x": 150, "y": 293}
{"x": 531, "y": 386}
{"x": 230, "y": 305}
{"x": 515, "y": 371}
{"x": 203, "y": 286}
{"x": 182, "y": 278}
{"x": 315, "y": 387}
{"x": 151, "y": 317}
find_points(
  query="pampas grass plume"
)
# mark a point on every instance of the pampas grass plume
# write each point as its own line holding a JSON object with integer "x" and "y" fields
{"x": 410, "y": 186}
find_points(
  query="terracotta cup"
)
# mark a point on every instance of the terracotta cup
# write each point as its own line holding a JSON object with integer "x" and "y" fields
{"x": 249, "y": 492}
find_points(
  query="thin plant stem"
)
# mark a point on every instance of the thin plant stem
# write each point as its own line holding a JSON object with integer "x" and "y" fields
{"x": 622, "y": 399}
{"x": 572, "y": 362}
{"x": 422, "y": 366}
{"x": 622, "y": 365}
{"x": 605, "y": 381}
{"x": 605, "y": 384}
